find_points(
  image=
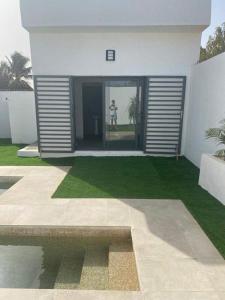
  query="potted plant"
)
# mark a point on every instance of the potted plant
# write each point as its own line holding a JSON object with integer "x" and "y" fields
{"x": 212, "y": 173}
{"x": 218, "y": 134}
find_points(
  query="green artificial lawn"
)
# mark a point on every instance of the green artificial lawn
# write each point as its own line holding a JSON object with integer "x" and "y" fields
{"x": 8, "y": 157}
{"x": 134, "y": 177}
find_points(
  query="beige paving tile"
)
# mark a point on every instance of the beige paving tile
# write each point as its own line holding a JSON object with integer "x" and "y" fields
{"x": 85, "y": 215}
{"x": 148, "y": 246}
{"x": 37, "y": 185}
{"x": 32, "y": 170}
{"x": 21, "y": 294}
{"x": 184, "y": 244}
{"x": 8, "y": 213}
{"x": 87, "y": 202}
{"x": 221, "y": 295}
{"x": 173, "y": 275}
{"x": 157, "y": 204}
{"x": 14, "y": 171}
{"x": 162, "y": 209}
{"x": 32, "y": 200}
{"x": 118, "y": 213}
{"x": 164, "y": 227}
{"x": 215, "y": 270}
{"x": 200, "y": 244}
{"x": 25, "y": 198}
{"x": 184, "y": 296}
{"x": 97, "y": 295}
{"x": 41, "y": 215}
{"x": 172, "y": 227}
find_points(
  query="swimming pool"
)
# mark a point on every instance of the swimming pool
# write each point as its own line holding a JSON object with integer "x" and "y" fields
{"x": 67, "y": 258}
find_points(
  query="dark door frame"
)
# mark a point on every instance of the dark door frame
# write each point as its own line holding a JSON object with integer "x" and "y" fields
{"x": 141, "y": 83}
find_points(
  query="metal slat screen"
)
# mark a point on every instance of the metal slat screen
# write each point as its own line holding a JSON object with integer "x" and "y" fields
{"x": 54, "y": 113}
{"x": 164, "y": 115}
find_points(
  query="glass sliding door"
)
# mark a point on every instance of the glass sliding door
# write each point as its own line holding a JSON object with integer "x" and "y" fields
{"x": 122, "y": 114}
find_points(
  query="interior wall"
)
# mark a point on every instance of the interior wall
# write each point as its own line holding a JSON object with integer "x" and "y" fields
{"x": 78, "y": 96}
{"x": 206, "y": 108}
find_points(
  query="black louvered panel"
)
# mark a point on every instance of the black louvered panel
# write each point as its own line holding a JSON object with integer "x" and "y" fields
{"x": 164, "y": 115}
{"x": 54, "y": 113}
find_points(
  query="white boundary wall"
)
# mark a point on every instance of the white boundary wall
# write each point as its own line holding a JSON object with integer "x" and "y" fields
{"x": 206, "y": 107}
{"x": 5, "y": 132}
{"x": 22, "y": 115}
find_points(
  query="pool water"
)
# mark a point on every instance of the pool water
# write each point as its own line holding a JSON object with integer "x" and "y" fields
{"x": 51, "y": 262}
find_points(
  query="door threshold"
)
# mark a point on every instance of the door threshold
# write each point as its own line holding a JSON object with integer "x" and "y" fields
{"x": 98, "y": 153}
{"x": 102, "y": 153}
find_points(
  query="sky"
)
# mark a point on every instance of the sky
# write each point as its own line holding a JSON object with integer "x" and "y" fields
{"x": 14, "y": 37}
{"x": 218, "y": 17}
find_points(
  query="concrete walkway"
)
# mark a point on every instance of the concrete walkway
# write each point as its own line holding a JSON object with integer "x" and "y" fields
{"x": 175, "y": 259}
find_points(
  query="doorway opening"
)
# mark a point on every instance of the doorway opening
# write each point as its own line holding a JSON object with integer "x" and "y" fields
{"x": 92, "y": 95}
{"x": 122, "y": 114}
{"x": 108, "y": 113}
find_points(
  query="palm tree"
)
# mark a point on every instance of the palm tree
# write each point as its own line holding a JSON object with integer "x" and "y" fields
{"x": 14, "y": 73}
{"x": 4, "y": 76}
{"x": 218, "y": 134}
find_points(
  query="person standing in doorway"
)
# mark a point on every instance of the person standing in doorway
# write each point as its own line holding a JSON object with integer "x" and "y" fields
{"x": 113, "y": 114}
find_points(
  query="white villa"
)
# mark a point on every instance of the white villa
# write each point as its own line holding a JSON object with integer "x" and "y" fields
{"x": 113, "y": 75}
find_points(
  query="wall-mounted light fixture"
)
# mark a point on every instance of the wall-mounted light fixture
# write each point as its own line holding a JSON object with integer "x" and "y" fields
{"x": 110, "y": 55}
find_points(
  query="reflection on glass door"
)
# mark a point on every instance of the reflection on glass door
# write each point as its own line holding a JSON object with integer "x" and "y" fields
{"x": 122, "y": 113}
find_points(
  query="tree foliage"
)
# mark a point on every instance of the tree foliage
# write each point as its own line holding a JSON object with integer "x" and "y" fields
{"x": 215, "y": 44}
{"x": 14, "y": 73}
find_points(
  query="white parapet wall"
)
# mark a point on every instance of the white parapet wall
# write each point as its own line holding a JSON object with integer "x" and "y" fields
{"x": 5, "y": 132}
{"x": 212, "y": 176}
{"x": 22, "y": 115}
{"x": 114, "y": 13}
{"x": 206, "y": 107}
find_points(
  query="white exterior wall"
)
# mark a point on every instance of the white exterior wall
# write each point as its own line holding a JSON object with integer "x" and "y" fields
{"x": 22, "y": 116}
{"x": 4, "y": 119}
{"x": 137, "y": 54}
{"x": 206, "y": 108}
